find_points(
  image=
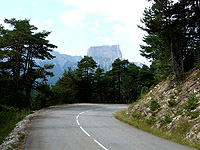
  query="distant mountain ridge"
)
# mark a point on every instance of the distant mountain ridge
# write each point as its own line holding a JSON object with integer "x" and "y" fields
{"x": 61, "y": 62}
{"x": 103, "y": 55}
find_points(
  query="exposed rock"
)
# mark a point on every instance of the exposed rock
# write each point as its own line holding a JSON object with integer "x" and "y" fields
{"x": 105, "y": 55}
{"x": 175, "y": 118}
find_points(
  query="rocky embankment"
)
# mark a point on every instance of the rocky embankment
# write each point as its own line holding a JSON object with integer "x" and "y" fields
{"x": 16, "y": 138}
{"x": 13, "y": 139}
{"x": 172, "y": 109}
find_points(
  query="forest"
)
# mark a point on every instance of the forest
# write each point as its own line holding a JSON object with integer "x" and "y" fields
{"x": 172, "y": 44}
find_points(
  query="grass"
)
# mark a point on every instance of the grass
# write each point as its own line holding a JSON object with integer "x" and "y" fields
{"x": 7, "y": 127}
{"x": 121, "y": 115}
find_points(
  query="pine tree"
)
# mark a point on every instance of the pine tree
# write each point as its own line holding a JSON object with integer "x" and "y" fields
{"x": 20, "y": 46}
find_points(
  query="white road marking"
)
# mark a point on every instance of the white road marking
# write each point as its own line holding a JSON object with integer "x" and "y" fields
{"x": 77, "y": 116}
{"x": 86, "y": 131}
{"x": 100, "y": 145}
{"x": 78, "y": 122}
{"x": 81, "y": 113}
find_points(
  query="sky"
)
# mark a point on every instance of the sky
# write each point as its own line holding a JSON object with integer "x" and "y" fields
{"x": 76, "y": 25}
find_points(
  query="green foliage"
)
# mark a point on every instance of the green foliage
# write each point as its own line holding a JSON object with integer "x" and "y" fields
{"x": 122, "y": 84}
{"x": 144, "y": 90}
{"x": 154, "y": 105}
{"x": 171, "y": 101}
{"x": 43, "y": 97}
{"x": 173, "y": 48}
{"x": 6, "y": 114}
{"x": 150, "y": 121}
{"x": 191, "y": 102}
{"x": 19, "y": 47}
{"x": 136, "y": 115}
{"x": 66, "y": 88}
{"x": 193, "y": 114}
{"x": 168, "y": 119}
{"x": 9, "y": 116}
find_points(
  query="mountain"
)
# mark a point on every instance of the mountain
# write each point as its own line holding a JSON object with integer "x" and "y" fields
{"x": 105, "y": 55}
{"x": 61, "y": 62}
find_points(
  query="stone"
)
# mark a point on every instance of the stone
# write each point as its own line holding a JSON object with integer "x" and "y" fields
{"x": 198, "y": 136}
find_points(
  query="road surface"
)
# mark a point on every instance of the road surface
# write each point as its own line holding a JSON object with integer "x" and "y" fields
{"x": 90, "y": 127}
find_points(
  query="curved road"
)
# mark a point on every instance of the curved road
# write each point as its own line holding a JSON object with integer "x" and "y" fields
{"x": 90, "y": 127}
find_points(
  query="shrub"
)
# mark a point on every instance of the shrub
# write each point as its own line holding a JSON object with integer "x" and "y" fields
{"x": 154, "y": 105}
{"x": 168, "y": 119}
{"x": 144, "y": 90}
{"x": 191, "y": 102}
{"x": 194, "y": 114}
{"x": 136, "y": 115}
{"x": 171, "y": 101}
{"x": 6, "y": 114}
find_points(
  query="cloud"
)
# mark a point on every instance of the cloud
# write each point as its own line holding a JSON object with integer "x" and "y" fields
{"x": 72, "y": 18}
{"x": 95, "y": 30}
{"x": 104, "y": 39}
{"x": 96, "y": 22}
{"x": 125, "y": 11}
{"x": 126, "y": 14}
{"x": 38, "y": 24}
{"x": 48, "y": 22}
{"x": 33, "y": 4}
{"x": 118, "y": 29}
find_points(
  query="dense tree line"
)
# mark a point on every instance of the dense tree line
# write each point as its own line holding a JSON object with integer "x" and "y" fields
{"x": 19, "y": 47}
{"x": 173, "y": 37}
{"x": 89, "y": 83}
{"x": 172, "y": 44}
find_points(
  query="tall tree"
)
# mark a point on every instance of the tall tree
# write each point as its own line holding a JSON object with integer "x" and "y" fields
{"x": 119, "y": 70}
{"x": 65, "y": 90}
{"x": 98, "y": 85}
{"x": 20, "y": 46}
{"x": 172, "y": 35}
{"x": 85, "y": 72}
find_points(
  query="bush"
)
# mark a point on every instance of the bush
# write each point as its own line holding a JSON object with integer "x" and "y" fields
{"x": 171, "y": 102}
{"x": 191, "y": 102}
{"x": 168, "y": 119}
{"x": 144, "y": 91}
{"x": 6, "y": 114}
{"x": 194, "y": 114}
{"x": 154, "y": 105}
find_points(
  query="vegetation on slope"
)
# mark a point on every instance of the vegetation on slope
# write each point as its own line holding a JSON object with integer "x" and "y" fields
{"x": 169, "y": 111}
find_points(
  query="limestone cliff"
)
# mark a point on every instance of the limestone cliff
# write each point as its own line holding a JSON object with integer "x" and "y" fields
{"x": 105, "y": 55}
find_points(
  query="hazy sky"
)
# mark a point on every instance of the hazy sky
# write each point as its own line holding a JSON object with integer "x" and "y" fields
{"x": 78, "y": 24}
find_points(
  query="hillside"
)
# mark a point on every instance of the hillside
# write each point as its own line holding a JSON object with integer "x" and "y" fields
{"x": 174, "y": 110}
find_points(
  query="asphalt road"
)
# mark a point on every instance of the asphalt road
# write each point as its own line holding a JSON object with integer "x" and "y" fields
{"x": 90, "y": 127}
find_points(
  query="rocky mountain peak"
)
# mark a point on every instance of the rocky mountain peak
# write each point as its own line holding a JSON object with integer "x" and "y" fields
{"x": 105, "y": 55}
{"x": 113, "y": 52}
